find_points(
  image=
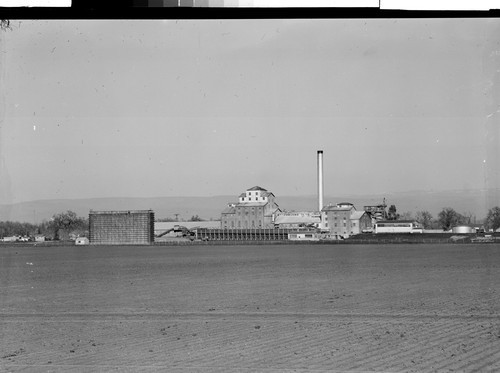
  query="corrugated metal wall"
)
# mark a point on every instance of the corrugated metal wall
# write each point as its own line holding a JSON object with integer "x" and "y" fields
{"x": 121, "y": 227}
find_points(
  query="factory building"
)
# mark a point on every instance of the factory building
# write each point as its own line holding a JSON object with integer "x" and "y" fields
{"x": 361, "y": 222}
{"x": 255, "y": 209}
{"x": 342, "y": 220}
{"x": 121, "y": 227}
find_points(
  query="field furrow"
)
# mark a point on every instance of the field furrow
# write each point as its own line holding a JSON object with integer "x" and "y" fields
{"x": 413, "y": 308}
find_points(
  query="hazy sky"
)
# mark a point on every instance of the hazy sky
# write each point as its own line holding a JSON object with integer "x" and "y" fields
{"x": 200, "y": 108}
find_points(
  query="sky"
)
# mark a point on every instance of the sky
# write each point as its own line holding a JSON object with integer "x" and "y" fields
{"x": 157, "y": 108}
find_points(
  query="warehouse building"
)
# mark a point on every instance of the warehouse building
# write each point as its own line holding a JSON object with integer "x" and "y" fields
{"x": 121, "y": 227}
{"x": 342, "y": 220}
{"x": 208, "y": 234}
{"x": 255, "y": 209}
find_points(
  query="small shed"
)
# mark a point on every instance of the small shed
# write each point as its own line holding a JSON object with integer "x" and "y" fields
{"x": 39, "y": 238}
{"x": 81, "y": 241}
{"x": 303, "y": 236}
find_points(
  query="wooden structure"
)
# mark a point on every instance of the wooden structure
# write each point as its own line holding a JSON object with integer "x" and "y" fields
{"x": 121, "y": 227}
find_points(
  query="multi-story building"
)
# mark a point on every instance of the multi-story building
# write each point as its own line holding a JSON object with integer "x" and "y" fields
{"x": 342, "y": 220}
{"x": 361, "y": 222}
{"x": 255, "y": 209}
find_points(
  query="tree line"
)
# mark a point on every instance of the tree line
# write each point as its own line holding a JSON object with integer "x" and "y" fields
{"x": 447, "y": 218}
{"x": 60, "y": 226}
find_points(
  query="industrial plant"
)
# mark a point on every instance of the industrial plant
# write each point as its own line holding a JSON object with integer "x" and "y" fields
{"x": 254, "y": 216}
{"x": 256, "y": 213}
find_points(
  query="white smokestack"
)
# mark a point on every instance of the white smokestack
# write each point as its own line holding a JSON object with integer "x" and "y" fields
{"x": 320, "y": 180}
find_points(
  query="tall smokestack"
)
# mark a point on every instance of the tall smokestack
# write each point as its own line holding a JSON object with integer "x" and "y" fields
{"x": 320, "y": 180}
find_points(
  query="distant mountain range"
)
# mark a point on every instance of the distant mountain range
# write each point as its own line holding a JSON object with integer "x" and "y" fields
{"x": 475, "y": 202}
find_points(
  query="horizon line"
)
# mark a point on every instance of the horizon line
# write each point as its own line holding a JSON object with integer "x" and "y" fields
{"x": 367, "y": 195}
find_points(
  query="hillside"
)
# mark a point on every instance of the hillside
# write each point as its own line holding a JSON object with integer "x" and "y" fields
{"x": 475, "y": 202}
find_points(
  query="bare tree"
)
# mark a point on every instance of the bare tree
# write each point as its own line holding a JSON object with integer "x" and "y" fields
{"x": 493, "y": 218}
{"x": 424, "y": 218}
{"x": 406, "y": 215}
{"x": 66, "y": 221}
{"x": 448, "y": 218}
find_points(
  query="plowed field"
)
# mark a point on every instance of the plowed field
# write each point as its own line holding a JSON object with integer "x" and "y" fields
{"x": 300, "y": 308}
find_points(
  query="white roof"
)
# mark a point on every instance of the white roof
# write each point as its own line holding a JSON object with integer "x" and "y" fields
{"x": 251, "y": 204}
{"x": 296, "y": 219}
{"x": 166, "y": 225}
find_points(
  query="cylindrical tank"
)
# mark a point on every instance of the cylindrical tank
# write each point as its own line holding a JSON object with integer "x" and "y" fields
{"x": 463, "y": 229}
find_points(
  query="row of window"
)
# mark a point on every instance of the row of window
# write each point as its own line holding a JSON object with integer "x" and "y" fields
{"x": 256, "y": 198}
{"x": 344, "y": 224}
{"x": 246, "y": 225}
{"x": 394, "y": 225}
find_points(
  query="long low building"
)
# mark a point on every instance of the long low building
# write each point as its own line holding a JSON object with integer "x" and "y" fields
{"x": 398, "y": 226}
{"x": 242, "y": 234}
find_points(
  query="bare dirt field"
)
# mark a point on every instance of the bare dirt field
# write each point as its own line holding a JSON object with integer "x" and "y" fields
{"x": 297, "y": 308}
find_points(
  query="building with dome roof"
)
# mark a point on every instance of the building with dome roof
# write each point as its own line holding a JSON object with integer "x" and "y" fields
{"x": 255, "y": 209}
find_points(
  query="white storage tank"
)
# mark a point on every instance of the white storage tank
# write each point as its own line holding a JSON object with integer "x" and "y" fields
{"x": 463, "y": 229}
{"x": 82, "y": 241}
